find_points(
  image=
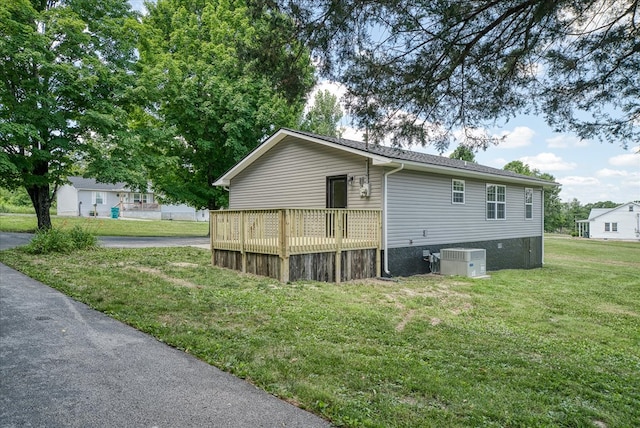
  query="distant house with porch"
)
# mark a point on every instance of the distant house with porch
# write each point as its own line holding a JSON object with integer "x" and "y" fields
{"x": 86, "y": 197}
{"x": 298, "y": 188}
{"x": 621, "y": 223}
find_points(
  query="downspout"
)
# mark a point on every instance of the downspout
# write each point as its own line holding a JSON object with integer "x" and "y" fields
{"x": 385, "y": 222}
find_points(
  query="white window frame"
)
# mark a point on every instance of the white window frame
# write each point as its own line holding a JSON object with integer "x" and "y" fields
{"x": 496, "y": 202}
{"x": 614, "y": 227}
{"x": 458, "y": 192}
{"x": 101, "y": 196}
{"x": 528, "y": 203}
{"x": 607, "y": 227}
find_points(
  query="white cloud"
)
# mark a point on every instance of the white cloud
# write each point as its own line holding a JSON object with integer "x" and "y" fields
{"x": 606, "y": 172}
{"x": 497, "y": 163}
{"x": 546, "y": 162}
{"x": 521, "y": 136}
{"x": 335, "y": 88}
{"x": 351, "y": 133}
{"x": 628, "y": 159}
{"x": 575, "y": 180}
{"x": 563, "y": 141}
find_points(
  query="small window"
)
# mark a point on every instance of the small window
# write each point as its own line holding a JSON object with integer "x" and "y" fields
{"x": 528, "y": 203}
{"x": 496, "y": 202}
{"x": 630, "y": 208}
{"x": 98, "y": 198}
{"x": 614, "y": 227}
{"x": 607, "y": 227}
{"x": 457, "y": 191}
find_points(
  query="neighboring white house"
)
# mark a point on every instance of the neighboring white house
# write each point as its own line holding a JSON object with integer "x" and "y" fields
{"x": 622, "y": 222}
{"x": 86, "y": 197}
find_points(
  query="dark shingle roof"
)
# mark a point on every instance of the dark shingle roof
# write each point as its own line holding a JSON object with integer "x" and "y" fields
{"x": 423, "y": 158}
{"x": 82, "y": 183}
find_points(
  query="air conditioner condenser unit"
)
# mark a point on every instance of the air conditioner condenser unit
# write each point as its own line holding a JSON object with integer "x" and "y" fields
{"x": 469, "y": 262}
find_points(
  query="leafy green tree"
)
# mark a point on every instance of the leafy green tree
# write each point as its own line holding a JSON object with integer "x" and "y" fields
{"x": 572, "y": 211}
{"x": 218, "y": 78}
{"x": 464, "y": 153}
{"x": 65, "y": 67}
{"x": 554, "y": 217}
{"x": 464, "y": 64}
{"x": 323, "y": 116}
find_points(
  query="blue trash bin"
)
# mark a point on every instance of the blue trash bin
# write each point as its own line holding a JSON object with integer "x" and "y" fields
{"x": 115, "y": 212}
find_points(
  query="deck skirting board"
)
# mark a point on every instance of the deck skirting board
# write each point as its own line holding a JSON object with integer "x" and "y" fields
{"x": 355, "y": 264}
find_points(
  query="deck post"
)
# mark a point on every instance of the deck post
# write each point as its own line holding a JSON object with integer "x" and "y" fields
{"x": 283, "y": 245}
{"x": 339, "y": 227}
{"x": 212, "y": 232}
{"x": 379, "y": 246}
{"x": 242, "y": 252}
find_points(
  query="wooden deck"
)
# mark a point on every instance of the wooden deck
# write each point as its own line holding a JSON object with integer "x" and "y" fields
{"x": 291, "y": 244}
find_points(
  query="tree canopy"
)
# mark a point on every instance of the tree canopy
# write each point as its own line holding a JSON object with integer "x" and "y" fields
{"x": 323, "y": 116}
{"x": 463, "y": 152}
{"x": 65, "y": 71}
{"x": 217, "y": 77}
{"x": 415, "y": 71}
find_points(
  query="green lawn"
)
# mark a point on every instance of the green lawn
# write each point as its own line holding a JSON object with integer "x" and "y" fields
{"x": 557, "y": 346}
{"x": 108, "y": 227}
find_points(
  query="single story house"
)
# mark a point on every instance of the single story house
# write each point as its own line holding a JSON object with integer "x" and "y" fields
{"x": 86, "y": 197}
{"x": 425, "y": 203}
{"x": 621, "y": 222}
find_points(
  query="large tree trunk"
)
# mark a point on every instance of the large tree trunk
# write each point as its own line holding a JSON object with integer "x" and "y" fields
{"x": 41, "y": 200}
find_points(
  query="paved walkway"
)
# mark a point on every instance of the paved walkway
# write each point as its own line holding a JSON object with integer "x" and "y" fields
{"x": 63, "y": 364}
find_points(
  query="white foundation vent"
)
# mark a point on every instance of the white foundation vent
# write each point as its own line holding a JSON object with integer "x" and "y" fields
{"x": 471, "y": 262}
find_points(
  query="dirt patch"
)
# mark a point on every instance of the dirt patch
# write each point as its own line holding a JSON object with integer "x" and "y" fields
{"x": 175, "y": 281}
{"x": 183, "y": 264}
{"x": 617, "y": 310}
{"x": 402, "y": 324}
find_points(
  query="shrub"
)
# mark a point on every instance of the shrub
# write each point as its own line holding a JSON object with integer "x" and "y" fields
{"x": 61, "y": 240}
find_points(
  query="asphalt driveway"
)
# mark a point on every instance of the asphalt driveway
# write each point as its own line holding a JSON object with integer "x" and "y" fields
{"x": 62, "y": 364}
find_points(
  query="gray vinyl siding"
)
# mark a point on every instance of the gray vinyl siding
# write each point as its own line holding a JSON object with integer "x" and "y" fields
{"x": 421, "y": 211}
{"x": 293, "y": 174}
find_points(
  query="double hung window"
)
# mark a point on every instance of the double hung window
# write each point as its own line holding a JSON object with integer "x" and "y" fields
{"x": 528, "y": 203}
{"x": 457, "y": 191}
{"x": 98, "y": 198}
{"x": 496, "y": 202}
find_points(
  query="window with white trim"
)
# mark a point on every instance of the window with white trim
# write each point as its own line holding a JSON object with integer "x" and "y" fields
{"x": 614, "y": 227}
{"x": 496, "y": 202}
{"x": 98, "y": 198}
{"x": 630, "y": 208}
{"x": 528, "y": 203}
{"x": 457, "y": 191}
{"x": 607, "y": 227}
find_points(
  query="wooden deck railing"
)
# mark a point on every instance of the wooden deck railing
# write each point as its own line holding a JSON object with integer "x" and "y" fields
{"x": 286, "y": 232}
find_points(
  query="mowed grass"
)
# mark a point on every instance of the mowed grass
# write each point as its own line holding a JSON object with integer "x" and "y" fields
{"x": 557, "y": 346}
{"x": 103, "y": 226}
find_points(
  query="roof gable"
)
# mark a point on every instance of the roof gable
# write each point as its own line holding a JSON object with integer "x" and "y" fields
{"x": 391, "y": 156}
{"x": 599, "y": 212}
{"x": 81, "y": 183}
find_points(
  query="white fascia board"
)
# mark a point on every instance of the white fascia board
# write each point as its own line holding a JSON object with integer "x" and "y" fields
{"x": 445, "y": 170}
{"x": 225, "y": 180}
